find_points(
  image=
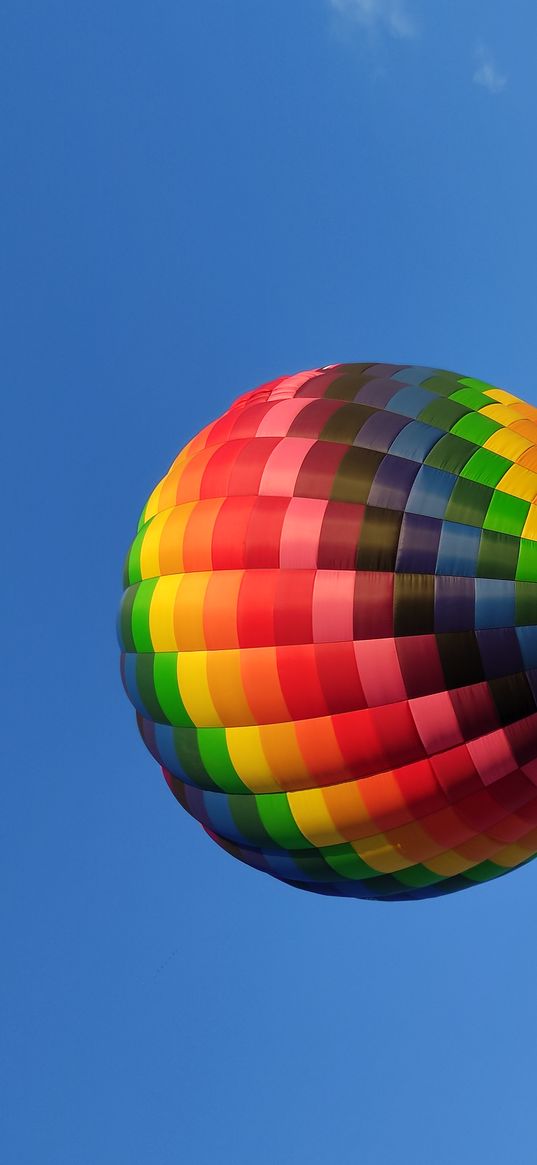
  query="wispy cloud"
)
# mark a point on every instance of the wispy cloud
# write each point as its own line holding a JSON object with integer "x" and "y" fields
{"x": 487, "y": 73}
{"x": 391, "y": 16}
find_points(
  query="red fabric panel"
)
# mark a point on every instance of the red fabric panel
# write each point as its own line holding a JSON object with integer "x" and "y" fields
{"x": 264, "y": 532}
{"x": 229, "y": 533}
{"x": 293, "y": 620}
{"x": 373, "y": 605}
{"x": 338, "y": 674}
{"x": 340, "y": 533}
{"x": 300, "y": 683}
{"x": 319, "y": 468}
{"x": 249, "y": 465}
{"x": 255, "y": 608}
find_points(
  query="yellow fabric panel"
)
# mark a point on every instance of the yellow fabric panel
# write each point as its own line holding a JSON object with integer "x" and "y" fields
{"x": 413, "y": 841}
{"x": 513, "y": 855}
{"x": 150, "y": 548}
{"x": 172, "y": 538}
{"x": 311, "y": 814}
{"x": 530, "y": 525}
{"x": 249, "y": 761}
{"x": 479, "y": 848}
{"x": 503, "y": 397}
{"x": 161, "y": 613}
{"x": 226, "y": 688}
{"x": 194, "y": 689}
{"x": 509, "y": 399}
{"x": 153, "y": 503}
{"x": 381, "y": 856}
{"x": 449, "y": 863}
{"x": 189, "y": 611}
{"x": 508, "y": 444}
{"x": 519, "y": 482}
{"x": 503, "y": 414}
{"x": 168, "y": 493}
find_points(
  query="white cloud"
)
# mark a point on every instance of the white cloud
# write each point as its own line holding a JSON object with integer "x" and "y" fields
{"x": 390, "y": 15}
{"x": 487, "y": 73}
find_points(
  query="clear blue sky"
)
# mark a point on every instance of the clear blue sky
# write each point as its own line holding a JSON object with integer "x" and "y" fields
{"x": 197, "y": 197}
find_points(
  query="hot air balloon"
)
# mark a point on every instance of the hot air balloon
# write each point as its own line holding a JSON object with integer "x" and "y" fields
{"x": 329, "y": 630}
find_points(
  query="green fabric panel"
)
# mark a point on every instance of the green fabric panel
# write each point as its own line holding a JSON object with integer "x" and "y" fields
{"x": 312, "y": 865}
{"x": 346, "y": 386}
{"x": 450, "y": 453}
{"x": 527, "y": 561}
{"x": 140, "y": 615}
{"x": 498, "y": 555}
{"x": 245, "y": 814}
{"x": 146, "y": 687}
{"x": 443, "y": 383}
{"x": 346, "y": 862}
{"x": 142, "y": 519}
{"x": 485, "y": 871}
{"x": 215, "y": 756}
{"x": 486, "y": 467}
{"x": 125, "y": 635}
{"x": 355, "y": 474}
{"x": 132, "y": 570}
{"x": 480, "y": 385}
{"x": 526, "y": 603}
{"x": 472, "y": 398}
{"x": 475, "y": 427}
{"x": 167, "y": 688}
{"x": 442, "y": 413}
{"x": 418, "y": 876}
{"x": 506, "y": 514}
{"x": 468, "y": 503}
{"x": 275, "y": 813}
{"x": 185, "y": 740}
{"x": 343, "y": 425}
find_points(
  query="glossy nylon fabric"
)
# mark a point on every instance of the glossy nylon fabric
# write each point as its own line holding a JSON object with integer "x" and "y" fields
{"x": 329, "y": 630}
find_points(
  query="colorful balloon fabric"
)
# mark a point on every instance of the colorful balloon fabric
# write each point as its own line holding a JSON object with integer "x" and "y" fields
{"x": 329, "y": 630}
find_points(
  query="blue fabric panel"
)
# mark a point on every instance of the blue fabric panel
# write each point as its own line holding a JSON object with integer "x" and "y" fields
{"x": 454, "y": 604}
{"x": 415, "y": 375}
{"x": 408, "y": 402}
{"x": 376, "y": 393}
{"x": 131, "y": 684}
{"x": 431, "y": 492}
{"x": 458, "y": 550}
{"x": 527, "y": 638}
{"x": 494, "y": 602}
{"x": 416, "y": 440}
{"x": 379, "y": 431}
{"x": 219, "y": 815}
{"x": 167, "y": 754}
{"x": 392, "y": 483}
{"x": 500, "y": 652}
{"x": 418, "y": 544}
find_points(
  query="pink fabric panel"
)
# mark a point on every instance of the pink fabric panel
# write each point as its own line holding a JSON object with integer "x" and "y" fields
{"x": 436, "y": 722}
{"x": 299, "y": 542}
{"x": 283, "y": 466}
{"x": 291, "y": 384}
{"x": 333, "y": 598}
{"x": 492, "y": 756}
{"x": 379, "y": 671}
{"x": 280, "y": 416}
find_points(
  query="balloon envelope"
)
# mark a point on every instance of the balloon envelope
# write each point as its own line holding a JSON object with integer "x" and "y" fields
{"x": 329, "y": 630}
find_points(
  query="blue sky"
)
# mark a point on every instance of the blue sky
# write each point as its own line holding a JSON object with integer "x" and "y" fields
{"x": 196, "y": 198}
